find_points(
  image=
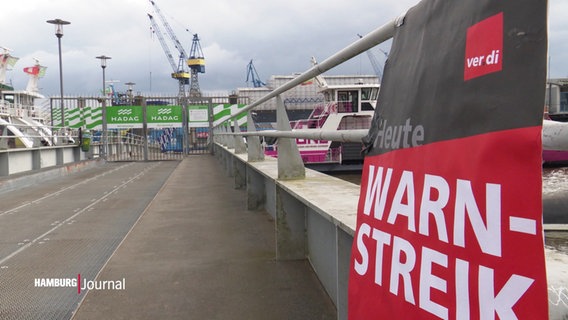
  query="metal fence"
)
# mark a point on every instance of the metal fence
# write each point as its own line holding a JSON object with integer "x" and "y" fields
{"x": 144, "y": 128}
{"x": 127, "y": 146}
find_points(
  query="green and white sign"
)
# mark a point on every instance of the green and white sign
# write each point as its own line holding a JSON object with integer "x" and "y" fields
{"x": 222, "y": 113}
{"x": 198, "y": 116}
{"x": 89, "y": 117}
{"x": 124, "y": 117}
{"x": 164, "y": 116}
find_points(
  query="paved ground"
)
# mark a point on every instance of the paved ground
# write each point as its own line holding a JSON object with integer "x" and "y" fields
{"x": 66, "y": 227}
{"x": 161, "y": 240}
{"x": 197, "y": 253}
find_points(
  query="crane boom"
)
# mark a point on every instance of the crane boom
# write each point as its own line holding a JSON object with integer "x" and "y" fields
{"x": 195, "y": 61}
{"x": 170, "y": 32}
{"x": 165, "y": 47}
{"x": 179, "y": 71}
{"x": 374, "y": 62}
{"x": 253, "y": 76}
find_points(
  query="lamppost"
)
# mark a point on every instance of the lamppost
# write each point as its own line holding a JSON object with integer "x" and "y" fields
{"x": 59, "y": 33}
{"x": 104, "y": 59}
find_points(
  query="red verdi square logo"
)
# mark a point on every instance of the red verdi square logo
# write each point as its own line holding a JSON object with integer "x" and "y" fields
{"x": 484, "y": 47}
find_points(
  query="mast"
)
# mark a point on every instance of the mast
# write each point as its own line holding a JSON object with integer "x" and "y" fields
{"x": 6, "y": 60}
{"x": 35, "y": 72}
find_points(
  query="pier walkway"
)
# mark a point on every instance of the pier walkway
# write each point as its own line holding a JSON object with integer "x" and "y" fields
{"x": 153, "y": 240}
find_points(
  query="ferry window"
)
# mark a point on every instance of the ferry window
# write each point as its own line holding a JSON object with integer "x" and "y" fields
{"x": 366, "y": 106}
{"x": 563, "y": 101}
{"x": 375, "y": 94}
{"x": 355, "y": 122}
{"x": 9, "y": 98}
{"x": 348, "y": 101}
{"x": 365, "y": 94}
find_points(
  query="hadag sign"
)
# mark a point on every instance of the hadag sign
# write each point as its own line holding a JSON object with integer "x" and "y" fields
{"x": 449, "y": 221}
{"x": 164, "y": 116}
{"x": 122, "y": 117}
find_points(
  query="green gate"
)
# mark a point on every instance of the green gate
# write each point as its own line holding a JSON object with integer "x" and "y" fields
{"x": 150, "y": 128}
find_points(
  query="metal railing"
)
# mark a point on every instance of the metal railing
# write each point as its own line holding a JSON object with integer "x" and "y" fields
{"x": 122, "y": 145}
{"x": 35, "y": 135}
{"x": 291, "y": 165}
{"x": 365, "y": 43}
{"x": 131, "y": 147}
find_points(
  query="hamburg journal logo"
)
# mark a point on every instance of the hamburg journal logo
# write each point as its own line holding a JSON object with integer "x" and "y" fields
{"x": 484, "y": 47}
{"x": 80, "y": 284}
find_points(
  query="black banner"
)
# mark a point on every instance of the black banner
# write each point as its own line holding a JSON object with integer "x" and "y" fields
{"x": 449, "y": 221}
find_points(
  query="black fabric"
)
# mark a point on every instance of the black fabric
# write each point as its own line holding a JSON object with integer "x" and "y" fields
{"x": 424, "y": 84}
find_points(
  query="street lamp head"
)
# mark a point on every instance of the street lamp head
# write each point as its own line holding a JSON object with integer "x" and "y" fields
{"x": 58, "y": 26}
{"x": 103, "y": 59}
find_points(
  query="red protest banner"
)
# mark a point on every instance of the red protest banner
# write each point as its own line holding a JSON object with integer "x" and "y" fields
{"x": 449, "y": 222}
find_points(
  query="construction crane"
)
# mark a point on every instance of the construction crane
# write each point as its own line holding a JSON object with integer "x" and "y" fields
{"x": 196, "y": 64}
{"x": 378, "y": 69}
{"x": 253, "y": 76}
{"x": 180, "y": 73}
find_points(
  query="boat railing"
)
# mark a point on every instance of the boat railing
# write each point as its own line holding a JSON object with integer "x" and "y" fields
{"x": 316, "y": 119}
{"x": 36, "y": 135}
{"x": 21, "y": 135}
{"x": 15, "y": 109}
{"x": 318, "y": 110}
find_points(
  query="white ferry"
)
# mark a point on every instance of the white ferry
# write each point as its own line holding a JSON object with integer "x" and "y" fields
{"x": 345, "y": 107}
{"x": 20, "y": 123}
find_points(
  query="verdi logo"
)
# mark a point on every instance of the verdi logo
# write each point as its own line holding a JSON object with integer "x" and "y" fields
{"x": 484, "y": 48}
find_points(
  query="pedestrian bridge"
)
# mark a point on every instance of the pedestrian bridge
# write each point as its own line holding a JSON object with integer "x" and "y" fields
{"x": 146, "y": 240}
{"x": 76, "y": 245}
{"x": 315, "y": 219}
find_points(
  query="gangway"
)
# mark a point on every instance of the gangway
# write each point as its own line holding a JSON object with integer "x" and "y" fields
{"x": 22, "y": 137}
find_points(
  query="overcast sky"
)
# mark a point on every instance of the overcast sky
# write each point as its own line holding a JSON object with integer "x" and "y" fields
{"x": 279, "y": 35}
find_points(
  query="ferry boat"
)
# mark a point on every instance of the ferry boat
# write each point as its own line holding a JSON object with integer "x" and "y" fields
{"x": 555, "y": 125}
{"x": 554, "y": 142}
{"x": 345, "y": 107}
{"x": 349, "y": 107}
{"x": 20, "y": 123}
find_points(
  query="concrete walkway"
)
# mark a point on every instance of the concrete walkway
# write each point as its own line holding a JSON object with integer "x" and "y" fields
{"x": 197, "y": 253}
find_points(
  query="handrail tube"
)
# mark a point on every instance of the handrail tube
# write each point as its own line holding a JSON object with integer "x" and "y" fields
{"x": 370, "y": 40}
{"x": 340, "y": 135}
